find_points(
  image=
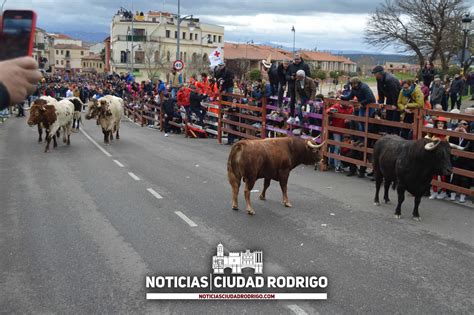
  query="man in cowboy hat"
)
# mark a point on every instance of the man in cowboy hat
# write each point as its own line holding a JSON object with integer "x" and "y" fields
{"x": 272, "y": 71}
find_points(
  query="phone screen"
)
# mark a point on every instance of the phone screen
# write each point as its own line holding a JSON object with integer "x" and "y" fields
{"x": 16, "y": 38}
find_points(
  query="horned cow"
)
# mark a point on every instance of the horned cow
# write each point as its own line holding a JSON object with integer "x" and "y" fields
{"x": 409, "y": 165}
{"x": 271, "y": 159}
{"x": 108, "y": 110}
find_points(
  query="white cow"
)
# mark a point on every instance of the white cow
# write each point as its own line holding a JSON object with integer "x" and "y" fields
{"x": 64, "y": 116}
{"x": 108, "y": 110}
{"x": 52, "y": 115}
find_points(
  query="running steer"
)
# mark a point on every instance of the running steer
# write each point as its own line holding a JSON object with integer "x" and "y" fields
{"x": 409, "y": 165}
{"x": 108, "y": 110}
{"x": 269, "y": 159}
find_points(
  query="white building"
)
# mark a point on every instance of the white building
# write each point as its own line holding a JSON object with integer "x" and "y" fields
{"x": 150, "y": 44}
{"x": 237, "y": 261}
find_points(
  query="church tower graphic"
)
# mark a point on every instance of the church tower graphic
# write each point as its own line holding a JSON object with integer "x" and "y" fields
{"x": 237, "y": 261}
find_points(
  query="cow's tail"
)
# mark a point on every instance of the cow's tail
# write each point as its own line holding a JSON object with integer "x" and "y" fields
{"x": 233, "y": 163}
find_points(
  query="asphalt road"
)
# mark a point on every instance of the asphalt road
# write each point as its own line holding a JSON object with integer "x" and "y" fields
{"x": 78, "y": 232}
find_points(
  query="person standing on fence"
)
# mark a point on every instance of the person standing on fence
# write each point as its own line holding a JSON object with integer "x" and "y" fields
{"x": 388, "y": 89}
{"x": 298, "y": 64}
{"x": 225, "y": 79}
{"x": 175, "y": 81}
{"x": 283, "y": 76}
{"x": 305, "y": 91}
{"x": 462, "y": 162}
{"x": 336, "y": 136}
{"x": 410, "y": 98}
{"x": 364, "y": 95}
{"x": 455, "y": 92}
{"x": 195, "y": 104}
{"x": 184, "y": 101}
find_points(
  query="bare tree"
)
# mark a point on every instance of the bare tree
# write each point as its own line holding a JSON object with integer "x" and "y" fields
{"x": 199, "y": 64}
{"x": 429, "y": 28}
{"x": 155, "y": 59}
{"x": 240, "y": 67}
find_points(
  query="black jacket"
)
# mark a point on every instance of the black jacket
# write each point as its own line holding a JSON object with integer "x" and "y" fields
{"x": 195, "y": 99}
{"x": 227, "y": 78}
{"x": 388, "y": 87}
{"x": 427, "y": 75}
{"x": 363, "y": 93}
{"x": 293, "y": 68}
{"x": 4, "y": 97}
{"x": 169, "y": 106}
{"x": 457, "y": 86}
{"x": 282, "y": 74}
{"x": 273, "y": 74}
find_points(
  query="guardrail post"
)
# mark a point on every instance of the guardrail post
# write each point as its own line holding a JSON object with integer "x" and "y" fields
{"x": 219, "y": 120}
{"x": 264, "y": 118}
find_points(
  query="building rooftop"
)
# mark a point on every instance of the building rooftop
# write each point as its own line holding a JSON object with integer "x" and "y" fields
{"x": 92, "y": 57}
{"x": 68, "y": 46}
{"x": 252, "y": 52}
{"x": 323, "y": 56}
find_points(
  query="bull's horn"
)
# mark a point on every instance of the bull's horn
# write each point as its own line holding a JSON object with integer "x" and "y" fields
{"x": 316, "y": 138}
{"x": 315, "y": 146}
{"x": 432, "y": 145}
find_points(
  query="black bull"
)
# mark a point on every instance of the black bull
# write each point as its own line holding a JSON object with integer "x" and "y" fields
{"x": 409, "y": 165}
{"x": 271, "y": 159}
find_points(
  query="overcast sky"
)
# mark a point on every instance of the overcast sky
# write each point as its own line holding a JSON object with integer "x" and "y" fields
{"x": 325, "y": 24}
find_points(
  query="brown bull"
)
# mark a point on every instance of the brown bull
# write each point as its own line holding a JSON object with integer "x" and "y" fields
{"x": 43, "y": 115}
{"x": 271, "y": 159}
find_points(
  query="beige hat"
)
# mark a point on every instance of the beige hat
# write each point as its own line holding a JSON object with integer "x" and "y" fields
{"x": 267, "y": 63}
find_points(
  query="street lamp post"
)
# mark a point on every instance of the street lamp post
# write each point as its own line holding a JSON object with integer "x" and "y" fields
{"x": 191, "y": 26}
{"x": 294, "y": 40}
{"x": 466, "y": 25}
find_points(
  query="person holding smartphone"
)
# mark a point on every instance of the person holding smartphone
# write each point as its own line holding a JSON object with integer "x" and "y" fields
{"x": 18, "y": 79}
{"x": 19, "y": 74}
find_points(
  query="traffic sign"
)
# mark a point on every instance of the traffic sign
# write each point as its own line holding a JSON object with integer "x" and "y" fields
{"x": 178, "y": 65}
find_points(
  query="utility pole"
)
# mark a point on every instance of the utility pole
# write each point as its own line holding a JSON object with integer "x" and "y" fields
{"x": 294, "y": 40}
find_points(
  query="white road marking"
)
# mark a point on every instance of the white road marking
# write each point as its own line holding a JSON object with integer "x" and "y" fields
{"x": 185, "y": 219}
{"x": 118, "y": 163}
{"x": 154, "y": 193}
{"x": 296, "y": 309}
{"x": 95, "y": 143}
{"x": 135, "y": 177}
{"x": 254, "y": 191}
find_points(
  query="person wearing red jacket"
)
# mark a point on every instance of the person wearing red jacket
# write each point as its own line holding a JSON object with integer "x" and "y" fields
{"x": 203, "y": 85}
{"x": 183, "y": 98}
{"x": 339, "y": 123}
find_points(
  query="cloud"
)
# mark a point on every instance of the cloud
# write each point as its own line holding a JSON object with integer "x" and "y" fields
{"x": 335, "y": 24}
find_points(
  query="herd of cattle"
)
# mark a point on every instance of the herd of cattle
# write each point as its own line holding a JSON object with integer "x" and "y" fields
{"x": 52, "y": 115}
{"x": 407, "y": 165}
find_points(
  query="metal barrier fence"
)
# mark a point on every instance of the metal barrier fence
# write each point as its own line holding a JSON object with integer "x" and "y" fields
{"x": 247, "y": 120}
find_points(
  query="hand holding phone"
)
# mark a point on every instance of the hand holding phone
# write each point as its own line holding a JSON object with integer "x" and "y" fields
{"x": 20, "y": 77}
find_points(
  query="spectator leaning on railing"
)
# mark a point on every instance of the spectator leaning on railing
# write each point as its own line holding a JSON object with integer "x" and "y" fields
{"x": 388, "y": 89}
{"x": 409, "y": 99}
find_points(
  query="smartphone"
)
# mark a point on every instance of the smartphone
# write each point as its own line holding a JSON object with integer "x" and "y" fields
{"x": 17, "y": 33}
